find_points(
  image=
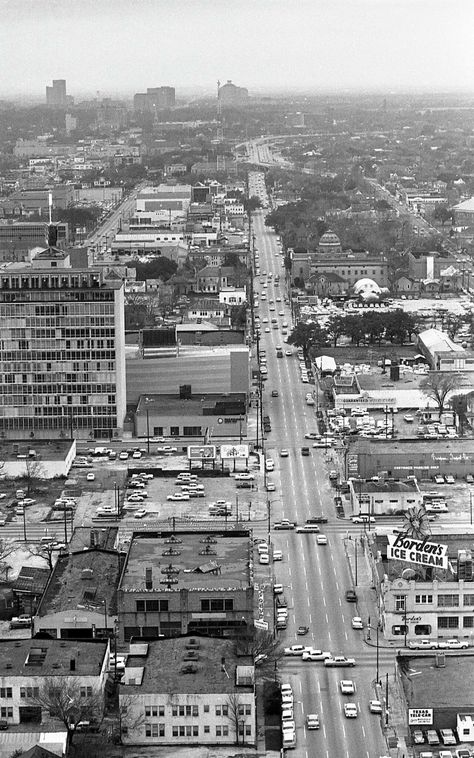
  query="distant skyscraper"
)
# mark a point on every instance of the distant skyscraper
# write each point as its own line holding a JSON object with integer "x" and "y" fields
{"x": 230, "y": 94}
{"x": 155, "y": 98}
{"x": 56, "y": 95}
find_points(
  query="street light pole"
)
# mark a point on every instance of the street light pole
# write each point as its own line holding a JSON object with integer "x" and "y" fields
{"x": 377, "y": 653}
{"x": 355, "y": 558}
{"x": 147, "y": 432}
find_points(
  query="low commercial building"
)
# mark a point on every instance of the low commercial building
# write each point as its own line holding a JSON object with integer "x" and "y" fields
{"x": 80, "y": 600}
{"x": 186, "y": 583}
{"x": 28, "y": 664}
{"x": 401, "y": 458}
{"x": 442, "y": 353}
{"x": 384, "y": 497}
{"x": 150, "y": 375}
{"x": 191, "y": 415}
{"x": 37, "y": 459}
{"x": 425, "y": 587}
{"x": 188, "y": 691}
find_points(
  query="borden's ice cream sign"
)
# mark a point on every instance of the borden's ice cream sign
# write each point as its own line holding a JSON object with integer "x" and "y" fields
{"x": 403, "y": 548}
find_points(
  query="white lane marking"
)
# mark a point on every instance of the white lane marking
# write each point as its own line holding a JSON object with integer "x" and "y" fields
{"x": 324, "y": 731}
{"x": 363, "y": 730}
{"x": 324, "y": 601}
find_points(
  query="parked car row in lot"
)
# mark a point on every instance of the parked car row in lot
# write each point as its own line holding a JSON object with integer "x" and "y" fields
{"x": 448, "y": 644}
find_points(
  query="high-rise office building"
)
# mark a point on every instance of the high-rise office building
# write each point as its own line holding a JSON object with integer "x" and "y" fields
{"x": 56, "y": 95}
{"x": 155, "y": 98}
{"x": 62, "y": 350}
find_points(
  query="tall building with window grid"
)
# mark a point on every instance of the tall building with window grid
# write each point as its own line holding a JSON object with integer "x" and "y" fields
{"x": 62, "y": 351}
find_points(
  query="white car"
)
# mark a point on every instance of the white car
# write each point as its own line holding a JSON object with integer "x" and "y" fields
{"x": 312, "y": 721}
{"x": 90, "y": 477}
{"x": 296, "y": 650}
{"x": 449, "y": 478}
{"x": 141, "y": 513}
{"x": 439, "y": 479}
{"x": 245, "y": 477}
{"x": 362, "y": 518}
{"x": 178, "y": 496}
{"x": 321, "y": 539}
{"x": 350, "y": 711}
{"x": 453, "y": 644}
{"x": 409, "y": 418}
{"x": 357, "y": 623}
{"x": 311, "y": 654}
{"x": 136, "y": 498}
{"x": 264, "y": 558}
{"x": 269, "y": 464}
{"x": 375, "y": 706}
{"x": 347, "y": 687}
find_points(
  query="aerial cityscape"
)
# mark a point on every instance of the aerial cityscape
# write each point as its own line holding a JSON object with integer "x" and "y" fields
{"x": 237, "y": 379}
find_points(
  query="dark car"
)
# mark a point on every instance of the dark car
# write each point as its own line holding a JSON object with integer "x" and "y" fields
{"x": 274, "y": 393}
{"x": 351, "y": 596}
{"x": 305, "y": 451}
{"x": 317, "y": 520}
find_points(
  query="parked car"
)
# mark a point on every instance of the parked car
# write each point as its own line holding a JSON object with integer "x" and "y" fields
{"x": 453, "y": 644}
{"x": 423, "y": 644}
{"x": 351, "y": 596}
{"x": 357, "y": 623}
{"x": 20, "y": 622}
{"x": 375, "y": 706}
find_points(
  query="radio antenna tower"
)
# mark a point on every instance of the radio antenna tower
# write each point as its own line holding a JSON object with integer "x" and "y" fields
{"x": 220, "y": 127}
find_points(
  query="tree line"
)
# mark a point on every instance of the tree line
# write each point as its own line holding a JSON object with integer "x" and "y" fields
{"x": 371, "y": 328}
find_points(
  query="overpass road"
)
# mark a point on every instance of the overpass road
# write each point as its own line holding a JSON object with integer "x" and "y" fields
{"x": 315, "y": 577}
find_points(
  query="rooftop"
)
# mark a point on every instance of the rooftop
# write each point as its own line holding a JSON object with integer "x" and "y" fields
{"x": 86, "y": 580}
{"x": 38, "y": 657}
{"x": 190, "y": 665}
{"x": 389, "y": 485}
{"x": 199, "y": 562}
{"x": 197, "y": 405}
{"x": 43, "y": 451}
{"x": 445, "y": 687}
{"x": 438, "y": 341}
{"x": 416, "y": 446}
{"x": 31, "y": 579}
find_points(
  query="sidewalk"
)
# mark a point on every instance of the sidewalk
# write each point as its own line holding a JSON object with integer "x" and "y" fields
{"x": 395, "y": 726}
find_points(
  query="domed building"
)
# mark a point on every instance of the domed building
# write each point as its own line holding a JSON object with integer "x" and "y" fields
{"x": 329, "y": 244}
{"x": 367, "y": 289}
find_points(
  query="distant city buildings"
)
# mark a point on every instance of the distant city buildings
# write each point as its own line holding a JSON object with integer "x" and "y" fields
{"x": 155, "y": 98}
{"x": 56, "y": 95}
{"x": 230, "y": 94}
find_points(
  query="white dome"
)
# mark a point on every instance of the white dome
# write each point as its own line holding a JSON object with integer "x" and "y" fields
{"x": 366, "y": 287}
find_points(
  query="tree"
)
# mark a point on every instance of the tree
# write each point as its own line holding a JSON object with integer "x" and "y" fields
{"x": 238, "y": 315}
{"x": 252, "y": 204}
{"x": 45, "y": 550}
{"x": 236, "y": 714}
{"x": 61, "y": 697}
{"x": 437, "y": 385}
{"x": 336, "y": 328}
{"x": 34, "y": 470}
{"x": 264, "y": 649}
{"x": 159, "y": 268}
{"x": 308, "y": 335}
{"x": 453, "y": 323}
{"x": 443, "y": 214}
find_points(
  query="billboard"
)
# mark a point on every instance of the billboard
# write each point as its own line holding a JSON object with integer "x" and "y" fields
{"x": 201, "y": 452}
{"x": 420, "y": 716}
{"x": 231, "y": 452}
{"x": 403, "y": 548}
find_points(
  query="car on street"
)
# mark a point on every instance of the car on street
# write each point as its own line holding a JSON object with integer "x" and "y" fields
{"x": 178, "y": 496}
{"x": 453, "y": 644}
{"x": 347, "y": 686}
{"x": 264, "y": 559}
{"x": 312, "y": 436}
{"x": 274, "y": 393}
{"x": 318, "y": 519}
{"x": 308, "y": 528}
{"x": 351, "y": 596}
{"x": 375, "y": 706}
{"x": 137, "y": 497}
{"x": 20, "y": 622}
{"x": 357, "y": 623}
{"x": 245, "y": 476}
{"x": 312, "y": 721}
{"x": 312, "y": 654}
{"x": 284, "y": 453}
{"x": 363, "y": 518}
{"x": 302, "y": 630}
{"x": 321, "y": 539}
{"x": 278, "y": 589}
{"x": 136, "y": 454}
{"x": 296, "y": 650}
{"x": 284, "y": 524}
{"x": 269, "y": 464}
{"x": 271, "y": 487}
{"x": 141, "y": 513}
{"x": 423, "y": 644}
{"x": 350, "y": 710}
{"x": 339, "y": 661}
{"x": 90, "y": 477}
{"x": 469, "y": 478}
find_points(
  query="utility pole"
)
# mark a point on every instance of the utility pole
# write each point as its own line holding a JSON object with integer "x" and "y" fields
{"x": 147, "y": 432}
{"x": 355, "y": 556}
{"x": 386, "y": 699}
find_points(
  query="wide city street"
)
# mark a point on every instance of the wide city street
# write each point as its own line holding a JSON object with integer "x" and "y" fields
{"x": 314, "y": 576}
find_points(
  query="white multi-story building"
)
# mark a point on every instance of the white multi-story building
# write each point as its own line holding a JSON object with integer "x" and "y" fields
{"x": 62, "y": 350}
{"x": 188, "y": 691}
{"x": 27, "y": 665}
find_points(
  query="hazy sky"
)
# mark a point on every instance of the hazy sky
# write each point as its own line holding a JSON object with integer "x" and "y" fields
{"x": 120, "y": 46}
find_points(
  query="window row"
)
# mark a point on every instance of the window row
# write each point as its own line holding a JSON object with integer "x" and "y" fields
{"x": 29, "y": 691}
{"x": 151, "y": 606}
{"x": 192, "y": 730}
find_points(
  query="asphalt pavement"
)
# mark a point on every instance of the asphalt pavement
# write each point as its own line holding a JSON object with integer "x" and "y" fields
{"x": 315, "y": 577}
